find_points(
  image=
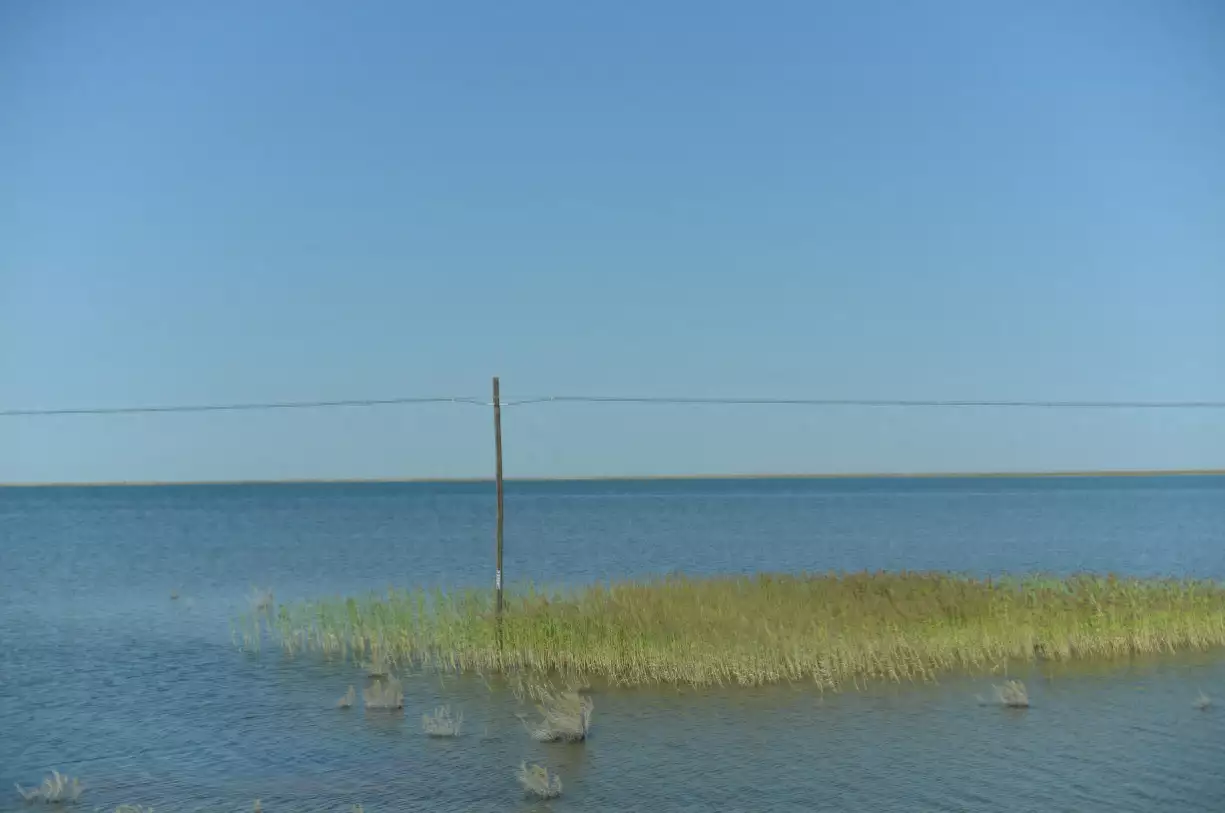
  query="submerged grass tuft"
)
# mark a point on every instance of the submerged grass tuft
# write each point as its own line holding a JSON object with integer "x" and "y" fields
{"x": 1012, "y": 694}
{"x": 347, "y": 699}
{"x": 260, "y": 599}
{"x": 55, "y": 789}
{"x": 537, "y": 781}
{"x": 831, "y": 629}
{"x": 377, "y": 667}
{"x": 441, "y": 723}
{"x": 386, "y": 694}
{"x": 567, "y": 717}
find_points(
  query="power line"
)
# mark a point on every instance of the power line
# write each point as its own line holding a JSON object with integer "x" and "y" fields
{"x": 241, "y": 407}
{"x": 617, "y": 399}
{"x": 863, "y": 402}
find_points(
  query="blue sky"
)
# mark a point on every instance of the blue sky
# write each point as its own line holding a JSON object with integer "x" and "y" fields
{"x": 224, "y": 201}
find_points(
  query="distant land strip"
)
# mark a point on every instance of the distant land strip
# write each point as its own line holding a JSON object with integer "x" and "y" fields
{"x": 635, "y": 478}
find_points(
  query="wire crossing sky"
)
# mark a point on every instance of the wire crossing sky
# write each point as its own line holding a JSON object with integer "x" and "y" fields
{"x": 608, "y": 399}
{"x": 861, "y": 209}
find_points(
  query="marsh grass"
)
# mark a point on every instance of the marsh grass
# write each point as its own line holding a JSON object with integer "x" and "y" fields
{"x": 57, "y": 788}
{"x": 248, "y": 632}
{"x": 830, "y": 629}
{"x": 385, "y": 694}
{"x": 537, "y": 781}
{"x": 441, "y": 723}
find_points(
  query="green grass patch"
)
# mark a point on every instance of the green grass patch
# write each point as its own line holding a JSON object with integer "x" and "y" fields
{"x": 830, "y": 629}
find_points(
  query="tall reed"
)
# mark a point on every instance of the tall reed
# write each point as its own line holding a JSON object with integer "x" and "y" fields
{"x": 827, "y": 628}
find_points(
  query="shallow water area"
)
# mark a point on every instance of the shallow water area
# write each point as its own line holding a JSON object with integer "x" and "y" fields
{"x": 145, "y": 697}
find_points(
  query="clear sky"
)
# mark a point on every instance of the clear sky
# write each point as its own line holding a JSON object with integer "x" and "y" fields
{"x": 223, "y": 201}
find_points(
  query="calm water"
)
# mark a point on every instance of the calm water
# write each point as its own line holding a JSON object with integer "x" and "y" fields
{"x": 147, "y": 700}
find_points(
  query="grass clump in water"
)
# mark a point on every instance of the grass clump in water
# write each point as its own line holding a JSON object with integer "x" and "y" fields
{"x": 261, "y": 600}
{"x": 347, "y": 699}
{"x": 831, "y": 629}
{"x": 386, "y": 694}
{"x": 377, "y": 667}
{"x": 441, "y": 723}
{"x": 537, "y": 781}
{"x": 57, "y": 788}
{"x": 567, "y": 717}
{"x": 1012, "y": 695}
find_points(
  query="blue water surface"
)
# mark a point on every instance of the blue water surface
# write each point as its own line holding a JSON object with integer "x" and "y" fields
{"x": 105, "y": 676}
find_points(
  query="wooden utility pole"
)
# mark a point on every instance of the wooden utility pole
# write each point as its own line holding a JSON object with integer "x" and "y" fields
{"x": 497, "y": 440}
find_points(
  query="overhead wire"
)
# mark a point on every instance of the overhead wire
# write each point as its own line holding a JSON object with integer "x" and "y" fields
{"x": 898, "y": 403}
{"x": 242, "y": 407}
{"x": 862, "y": 402}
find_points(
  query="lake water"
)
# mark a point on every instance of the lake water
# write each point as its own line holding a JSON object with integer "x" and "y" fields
{"x": 103, "y": 676}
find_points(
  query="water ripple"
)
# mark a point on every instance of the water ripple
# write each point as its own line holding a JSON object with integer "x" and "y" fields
{"x": 102, "y": 675}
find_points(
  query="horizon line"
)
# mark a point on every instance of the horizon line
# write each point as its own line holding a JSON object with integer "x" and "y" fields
{"x": 1074, "y": 473}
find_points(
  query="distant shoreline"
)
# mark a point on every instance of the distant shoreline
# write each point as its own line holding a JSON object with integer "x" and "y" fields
{"x": 638, "y": 478}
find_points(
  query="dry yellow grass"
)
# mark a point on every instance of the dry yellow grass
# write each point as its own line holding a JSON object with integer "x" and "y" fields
{"x": 830, "y": 629}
